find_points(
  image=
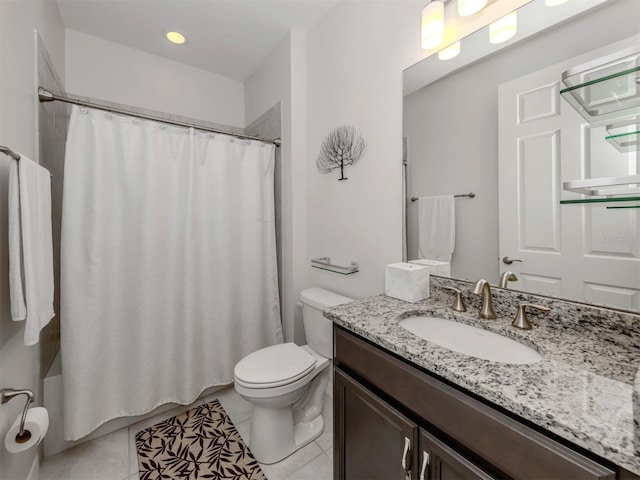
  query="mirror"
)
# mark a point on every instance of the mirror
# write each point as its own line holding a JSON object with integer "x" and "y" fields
{"x": 460, "y": 122}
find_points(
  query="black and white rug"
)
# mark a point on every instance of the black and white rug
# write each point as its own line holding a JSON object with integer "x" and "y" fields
{"x": 197, "y": 444}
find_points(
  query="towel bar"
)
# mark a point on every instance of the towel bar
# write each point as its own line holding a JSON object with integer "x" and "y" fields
{"x": 324, "y": 263}
{"x": 16, "y": 156}
{"x": 470, "y": 195}
{"x": 9, "y": 152}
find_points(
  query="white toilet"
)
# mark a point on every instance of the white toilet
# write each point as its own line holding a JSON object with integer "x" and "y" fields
{"x": 286, "y": 383}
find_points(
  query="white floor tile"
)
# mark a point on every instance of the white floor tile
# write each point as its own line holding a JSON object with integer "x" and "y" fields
{"x": 329, "y": 453}
{"x": 320, "y": 468}
{"x": 133, "y": 453}
{"x": 285, "y": 468}
{"x": 105, "y": 458}
{"x": 238, "y": 409}
{"x": 244, "y": 429}
{"x": 114, "y": 456}
{"x": 325, "y": 441}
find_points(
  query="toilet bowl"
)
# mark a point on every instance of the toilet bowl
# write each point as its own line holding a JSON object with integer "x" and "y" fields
{"x": 286, "y": 383}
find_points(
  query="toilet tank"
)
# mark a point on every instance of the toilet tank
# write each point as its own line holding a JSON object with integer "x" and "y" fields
{"x": 317, "y": 328}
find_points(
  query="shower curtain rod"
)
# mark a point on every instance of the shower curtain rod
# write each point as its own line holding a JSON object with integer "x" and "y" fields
{"x": 45, "y": 95}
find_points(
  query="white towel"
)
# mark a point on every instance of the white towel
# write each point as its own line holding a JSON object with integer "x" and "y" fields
{"x": 30, "y": 247}
{"x": 436, "y": 227}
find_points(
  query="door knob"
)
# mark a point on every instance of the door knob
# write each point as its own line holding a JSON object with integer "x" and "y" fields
{"x": 509, "y": 260}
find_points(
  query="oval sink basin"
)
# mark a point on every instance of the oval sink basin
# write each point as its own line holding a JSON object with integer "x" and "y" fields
{"x": 471, "y": 341}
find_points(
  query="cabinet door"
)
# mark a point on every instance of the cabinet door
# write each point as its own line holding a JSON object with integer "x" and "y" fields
{"x": 373, "y": 441}
{"x": 440, "y": 462}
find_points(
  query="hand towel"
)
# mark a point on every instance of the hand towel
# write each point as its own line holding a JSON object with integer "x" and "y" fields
{"x": 436, "y": 227}
{"x": 30, "y": 247}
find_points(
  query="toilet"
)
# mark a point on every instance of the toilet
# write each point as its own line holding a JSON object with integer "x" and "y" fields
{"x": 286, "y": 383}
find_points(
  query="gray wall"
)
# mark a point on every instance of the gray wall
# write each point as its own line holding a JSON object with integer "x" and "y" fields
{"x": 21, "y": 23}
{"x": 452, "y": 127}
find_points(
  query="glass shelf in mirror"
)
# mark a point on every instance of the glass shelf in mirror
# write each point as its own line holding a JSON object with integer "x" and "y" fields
{"x": 624, "y": 135}
{"x": 620, "y": 202}
{"x": 627, "y": 185}
{"x": 605, "y": 89}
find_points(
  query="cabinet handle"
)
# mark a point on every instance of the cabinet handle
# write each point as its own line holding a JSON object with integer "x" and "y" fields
{"x": 406, "y": 459}
{"x": 425, "y": 465}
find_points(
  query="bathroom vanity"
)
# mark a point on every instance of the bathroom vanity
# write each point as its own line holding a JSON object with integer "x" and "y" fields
{"x": 409, "y": 409}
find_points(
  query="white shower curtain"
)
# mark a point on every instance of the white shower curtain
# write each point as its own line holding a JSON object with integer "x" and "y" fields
{"x": 168, "y": 264}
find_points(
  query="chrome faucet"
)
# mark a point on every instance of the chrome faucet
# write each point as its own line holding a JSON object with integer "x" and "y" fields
{"x": 507, "y": 277}
{"x": 482, "y": 287}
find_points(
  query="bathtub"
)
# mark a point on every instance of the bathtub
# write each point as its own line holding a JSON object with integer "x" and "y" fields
{"x": 54, "y": 441}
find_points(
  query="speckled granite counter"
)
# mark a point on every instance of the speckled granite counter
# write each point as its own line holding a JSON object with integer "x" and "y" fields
{"x": 582, "y": 390}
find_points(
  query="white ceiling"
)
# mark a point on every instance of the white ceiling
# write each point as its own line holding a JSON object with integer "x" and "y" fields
{"x": 228, "y": 37}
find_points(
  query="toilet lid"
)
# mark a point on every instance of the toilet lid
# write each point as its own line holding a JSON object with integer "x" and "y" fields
{"x": 274, "y": 366}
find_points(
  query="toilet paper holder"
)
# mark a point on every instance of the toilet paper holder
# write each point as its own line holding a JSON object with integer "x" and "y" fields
{"x": 8, "y": 394}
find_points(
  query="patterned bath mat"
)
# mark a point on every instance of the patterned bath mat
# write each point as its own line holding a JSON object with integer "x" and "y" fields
{"x": 200, "y": 443}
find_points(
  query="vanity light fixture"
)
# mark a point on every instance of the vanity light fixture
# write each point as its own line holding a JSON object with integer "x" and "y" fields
{"x": 176, "y": 38}
{"x": 503, "y": 29}
{"x": 553, "y": 3}
{"x": 432, "y": 32}
{"x": 450, "y": 52}
{"x": 467, "y": 8}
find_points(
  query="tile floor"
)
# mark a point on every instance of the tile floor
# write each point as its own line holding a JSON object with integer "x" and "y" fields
{"x": 113, "y": 456}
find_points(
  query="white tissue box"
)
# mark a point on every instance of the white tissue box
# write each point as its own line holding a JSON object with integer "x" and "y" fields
{"x": 406, "y": 281}
{"x": 436, "y": 267}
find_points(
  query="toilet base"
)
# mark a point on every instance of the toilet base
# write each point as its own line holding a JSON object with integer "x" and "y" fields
{"x": 275, "y": 437}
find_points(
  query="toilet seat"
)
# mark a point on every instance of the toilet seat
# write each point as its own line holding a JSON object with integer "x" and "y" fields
{"x": 274, "y": 366}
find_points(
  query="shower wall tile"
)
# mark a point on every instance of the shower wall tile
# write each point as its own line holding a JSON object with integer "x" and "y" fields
{"x": 269, "y": 125}
{"x": 53, "y": 120}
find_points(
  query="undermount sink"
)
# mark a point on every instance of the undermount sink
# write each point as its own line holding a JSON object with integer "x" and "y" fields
{"x": 471, "y": 341}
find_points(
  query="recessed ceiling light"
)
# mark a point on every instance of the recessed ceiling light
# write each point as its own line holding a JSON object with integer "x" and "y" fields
{"x": 176, "y": 37}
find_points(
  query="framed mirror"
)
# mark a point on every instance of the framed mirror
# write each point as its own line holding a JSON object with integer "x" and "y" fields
{"x": 464, "y": 127}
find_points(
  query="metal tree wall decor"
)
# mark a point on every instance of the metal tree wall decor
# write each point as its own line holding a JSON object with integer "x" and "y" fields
{"x": 341, "y": 147}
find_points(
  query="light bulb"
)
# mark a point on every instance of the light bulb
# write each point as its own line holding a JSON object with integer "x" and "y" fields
{"x": 432, "y": 31}
{"x": 470, "y": 7}
{"x": 450, "y": 52}
{"x": 176, "y": 37}
{"x": 503, "y": 29}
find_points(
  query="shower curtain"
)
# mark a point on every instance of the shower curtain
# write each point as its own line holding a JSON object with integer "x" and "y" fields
{"x": 168, "y": 264}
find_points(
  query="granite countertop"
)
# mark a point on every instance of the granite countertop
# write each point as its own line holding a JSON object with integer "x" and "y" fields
{"x": 582, "y": 389}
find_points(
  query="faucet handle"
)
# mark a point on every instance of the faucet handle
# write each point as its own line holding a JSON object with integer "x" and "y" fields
{"x": 521, "y": 320}
{"x": 458, "y": 304}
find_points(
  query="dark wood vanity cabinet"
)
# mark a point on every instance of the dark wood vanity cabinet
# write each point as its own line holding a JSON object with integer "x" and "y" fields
{"x": 377, "y": 442}
{"x": 439, "y": 461}
{"x": 376, "y": 439}
{"x": 396, "y": 421}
